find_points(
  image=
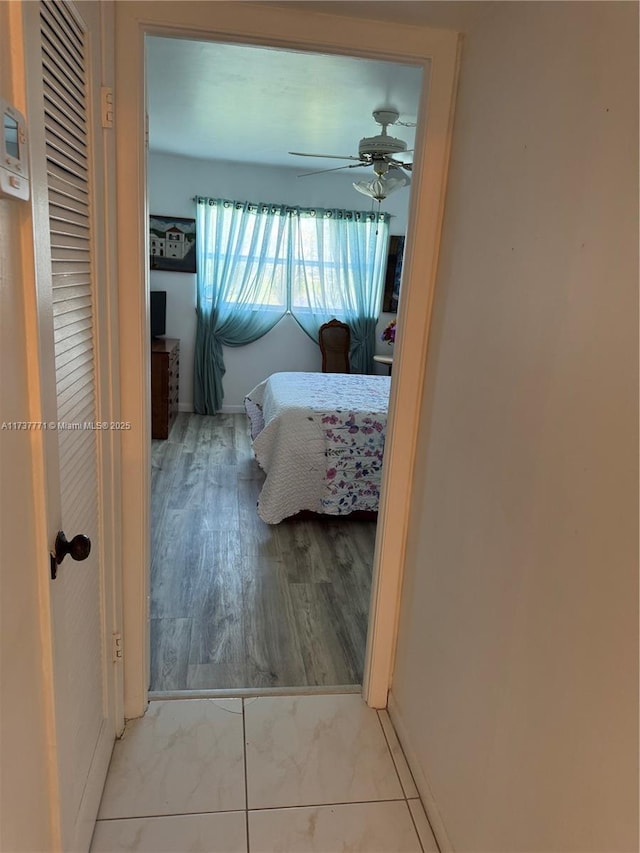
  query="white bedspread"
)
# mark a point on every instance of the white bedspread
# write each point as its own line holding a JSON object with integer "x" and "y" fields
{"x": 319, "y": 437}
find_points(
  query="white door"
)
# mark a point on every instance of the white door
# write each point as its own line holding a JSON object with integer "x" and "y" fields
{"x": 65, "y": 68}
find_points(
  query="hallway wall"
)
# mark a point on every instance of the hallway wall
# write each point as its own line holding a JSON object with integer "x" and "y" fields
{"x": 515, "y": 686}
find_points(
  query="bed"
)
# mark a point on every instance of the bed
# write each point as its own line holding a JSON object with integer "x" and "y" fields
{"x": 319, "y": 438}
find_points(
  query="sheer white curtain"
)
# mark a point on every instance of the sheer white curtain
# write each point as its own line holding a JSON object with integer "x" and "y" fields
{"x": 338, "y": 266}
{"x": 256, "y": 262}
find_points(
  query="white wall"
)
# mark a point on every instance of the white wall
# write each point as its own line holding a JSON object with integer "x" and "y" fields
{"x": 516, "y": 683}
{"x": 24, "y": 808}
{"x": 173, "y": 182}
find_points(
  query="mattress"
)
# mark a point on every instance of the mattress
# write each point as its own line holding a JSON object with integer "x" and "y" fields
{"x": 319, "y": 438}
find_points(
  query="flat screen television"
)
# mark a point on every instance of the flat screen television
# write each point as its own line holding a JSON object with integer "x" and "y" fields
{"x": 393, "y": 274}
{"x": 158, "y": 312}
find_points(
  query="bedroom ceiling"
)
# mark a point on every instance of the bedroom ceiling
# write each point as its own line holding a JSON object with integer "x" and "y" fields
{"x": 246, "y": 104}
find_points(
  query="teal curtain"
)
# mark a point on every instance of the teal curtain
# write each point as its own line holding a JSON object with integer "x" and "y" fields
{"x": 338, "y": 263}
{"x": 256, "y": 262}
{"x": 243, "y": 253}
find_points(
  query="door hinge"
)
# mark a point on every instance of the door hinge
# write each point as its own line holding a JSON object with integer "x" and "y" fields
{"x": 146, "y": 130}
{"x": 106, "y": 100}
{"x": 117, "y": 647}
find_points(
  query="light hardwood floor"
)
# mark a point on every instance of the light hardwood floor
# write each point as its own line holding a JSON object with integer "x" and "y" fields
{"x": 236, "y": 602}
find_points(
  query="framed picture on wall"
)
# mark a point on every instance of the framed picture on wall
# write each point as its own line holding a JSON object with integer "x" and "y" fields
{"x": 172, "y": 243}
{"x": 393, "y": 274}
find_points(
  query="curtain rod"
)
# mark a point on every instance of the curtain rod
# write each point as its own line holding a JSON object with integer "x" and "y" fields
{"x": 196, "y": 197}
{"x": 292, "y": 206}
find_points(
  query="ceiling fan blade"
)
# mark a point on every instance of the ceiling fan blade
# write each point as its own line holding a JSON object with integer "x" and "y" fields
{"x": 325, "y": 156}
{"x": 399, "y": 164}
{"x": 337, "y": 169}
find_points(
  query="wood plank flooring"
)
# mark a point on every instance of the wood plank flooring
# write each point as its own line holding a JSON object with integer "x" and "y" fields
{"x": 236, "y": 602}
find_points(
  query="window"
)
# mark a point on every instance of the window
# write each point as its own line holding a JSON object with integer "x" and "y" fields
{"x": 255, "y": 262}
{"x": 305, "y": 261}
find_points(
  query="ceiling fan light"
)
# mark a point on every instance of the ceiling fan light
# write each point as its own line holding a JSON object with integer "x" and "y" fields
{"x": 395, "y": 179}
{"x": 382, "y": 186}
{"x": 374, "y": 189}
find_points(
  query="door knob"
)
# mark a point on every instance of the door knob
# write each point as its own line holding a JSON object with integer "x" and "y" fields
{"x": 78, "y": 548}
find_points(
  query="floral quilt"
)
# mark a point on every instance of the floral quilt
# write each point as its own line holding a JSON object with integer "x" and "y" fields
{"x": 319, "y": 437}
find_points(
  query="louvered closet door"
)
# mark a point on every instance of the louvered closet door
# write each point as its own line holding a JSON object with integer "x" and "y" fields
{"x": 70, "y": 75}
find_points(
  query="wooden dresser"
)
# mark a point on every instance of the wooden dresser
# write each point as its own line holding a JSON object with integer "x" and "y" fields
{"x": 165, "y": 374}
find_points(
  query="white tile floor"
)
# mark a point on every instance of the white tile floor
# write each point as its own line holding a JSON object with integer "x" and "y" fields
{"x": 286, "y": 774}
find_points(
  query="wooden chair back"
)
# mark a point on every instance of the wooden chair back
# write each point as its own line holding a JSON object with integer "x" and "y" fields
{"x": 334, "y": 338}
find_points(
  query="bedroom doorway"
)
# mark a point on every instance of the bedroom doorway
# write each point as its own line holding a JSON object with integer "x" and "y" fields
{"x": 253, "y": 605}
{"x": 294, "y": 28}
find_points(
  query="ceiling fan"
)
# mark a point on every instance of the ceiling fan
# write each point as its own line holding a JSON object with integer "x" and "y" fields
{"x": 382, "y": 152}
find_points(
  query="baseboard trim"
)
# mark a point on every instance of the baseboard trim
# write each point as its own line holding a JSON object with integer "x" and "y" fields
{"x": 422, "y": 783}
{"x": 225, "y": 410}
{"x": 246, "y": 692}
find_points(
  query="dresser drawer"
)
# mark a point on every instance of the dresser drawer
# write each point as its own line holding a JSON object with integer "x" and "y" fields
{"x": 165, "y": 385}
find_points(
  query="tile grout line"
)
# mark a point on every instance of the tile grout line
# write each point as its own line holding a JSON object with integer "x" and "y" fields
{"x": 393, "y": 761}
{"x": 246, "y": 782}
{"x": 172, "y": 814}
{"x": 259, "y": 809}
{"x": 415, "y": 826}
{"x": 328, "y": 805}
{"x": 413, "y": 778}
{"x": 395, "y": 767}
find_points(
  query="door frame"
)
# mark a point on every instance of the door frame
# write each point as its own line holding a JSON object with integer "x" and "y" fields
{"x": 265, "y": 25}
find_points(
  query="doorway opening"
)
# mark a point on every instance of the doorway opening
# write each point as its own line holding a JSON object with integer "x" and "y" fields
{"x": 434, "y": 50}
{"x": 237, "y": 603}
